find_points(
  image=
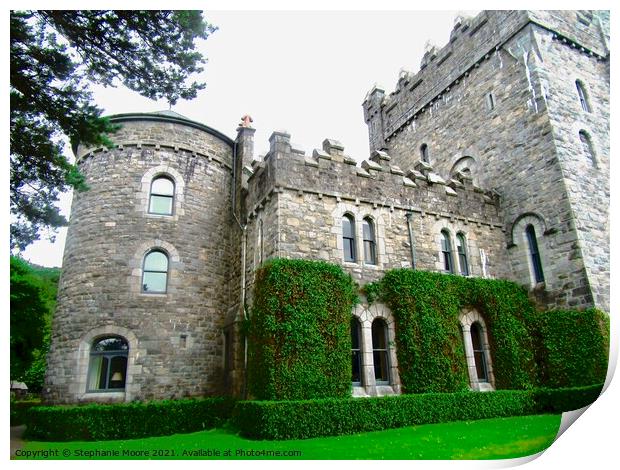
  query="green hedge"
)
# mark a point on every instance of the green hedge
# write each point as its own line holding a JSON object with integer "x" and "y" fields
{"x": 126, "y": 420}
{"x": 573, "y": 347}
{"x": 299, "y": 343}
{"x": 426, "y": 307}
{"x": 20, "y": 409}
{"x": 329, "y": 417}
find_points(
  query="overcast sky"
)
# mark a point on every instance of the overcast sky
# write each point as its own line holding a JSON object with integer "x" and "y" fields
{"x": 304, "y": 72}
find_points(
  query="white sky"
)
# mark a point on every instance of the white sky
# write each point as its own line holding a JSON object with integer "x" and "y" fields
{"x": 304, "y": 72}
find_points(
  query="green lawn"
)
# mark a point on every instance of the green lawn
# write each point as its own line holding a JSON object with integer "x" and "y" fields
{"x": 496, "y": 438}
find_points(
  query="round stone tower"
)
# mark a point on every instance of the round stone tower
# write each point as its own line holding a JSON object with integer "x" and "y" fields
{"x": 146, "y": 277}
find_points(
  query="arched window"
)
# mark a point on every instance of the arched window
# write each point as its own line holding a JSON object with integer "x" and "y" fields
{"x": 107, "y": 368}
{"x": 583, "y": 96}
{"x": 348, "y": 238}
{"x": 155, "y": 272}
{"x": 424, "y": 153}
{"x": 586, "y": 145}
{"x": 370, "y": 245}
{"x": 356, "y": 352}
{"x": 380, "y": 351}
{"x": 479, "y": 354}
{"x": 161, "y": 196}
{"x": 461, "y": 248}
{"x": 530, "y": 232}
{"x": 446, "y": 250}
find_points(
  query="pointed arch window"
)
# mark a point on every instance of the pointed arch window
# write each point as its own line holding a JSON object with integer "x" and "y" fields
{"x": 537, "y": 270}
{"x": 161, "y": 199}
{"x": 583, "y": 96}
{"x": 155, "y": 272}
{"x": 461, "y": 248}
{"x": 356, "y": 352}
{"x": 370, "y": 245}
{"x": 380, "y": 351}
{"x": 107, "y": 369}
{"x": 587, "y": 147}
{"x": 424, "y": 153}
{"x": 348, "y": 238}
{"x": 446, "y": 252}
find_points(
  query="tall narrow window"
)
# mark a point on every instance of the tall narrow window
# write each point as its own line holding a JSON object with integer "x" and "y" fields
{"x": 162, "y": 196}
{"x": 155, "y": 272}
{"x": 479, "y": 354}
{"x": 583, "y": 96}
{"x": 530, "y": 232}
{"x": 461, "y": 248}
{"x": 260, "y": 241}
{"x": 348, "y": 238}
{"x": 446, "y": 250}
{"x": 370, "y": 246}
{"x": 586, "y": 145}
{"x": 356, "y": 352}
{"x": 424, "y": 153}
{"x": 380, "y": 351}
{"x": 490, "y": 100}
{"x": 107, "y": 369}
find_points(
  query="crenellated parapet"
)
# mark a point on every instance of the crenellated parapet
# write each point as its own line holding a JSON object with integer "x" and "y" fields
{"x": 329, "y": 172}
{"x": 472, "y": 42}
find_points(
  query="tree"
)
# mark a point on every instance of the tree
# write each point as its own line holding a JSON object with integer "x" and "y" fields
{"x": 30, "y": 312}
{"x": 55, "y": 57}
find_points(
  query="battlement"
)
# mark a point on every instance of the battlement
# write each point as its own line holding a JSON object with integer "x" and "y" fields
{"x": 329, "y": 172}
{"x": 473, "y": 41}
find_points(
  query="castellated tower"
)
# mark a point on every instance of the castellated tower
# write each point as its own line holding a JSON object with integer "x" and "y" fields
{"x": 519, "y": 101}
{"x": 146, "y": 281}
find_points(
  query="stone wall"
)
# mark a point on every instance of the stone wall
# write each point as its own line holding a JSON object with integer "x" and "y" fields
{"x": 175, "y": 338}
{"x": 492, "y": 103}
{"x": 300, "y": 201}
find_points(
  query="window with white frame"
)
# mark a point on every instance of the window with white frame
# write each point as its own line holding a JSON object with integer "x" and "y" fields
{"x": 155, "y": 272}
{"x": 446, "y": 252}
{"x": 370, "y": 245}
{"x": 461, "y": 248}
{"x": 348, "y": 238}
{"x": 161, "y": 198}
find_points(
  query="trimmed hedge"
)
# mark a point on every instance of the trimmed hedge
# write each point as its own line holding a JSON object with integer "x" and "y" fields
{"x": 329, "y": 417}
{"x": 299, "y": 343}
{"x": 126, "y": 420}
{"x": 573, "y": 347}
{"x": 20, "y": 409}
{"x": 426, "y": 307}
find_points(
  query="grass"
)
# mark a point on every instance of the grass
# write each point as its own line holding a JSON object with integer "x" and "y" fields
{"x": 497, "y": 438}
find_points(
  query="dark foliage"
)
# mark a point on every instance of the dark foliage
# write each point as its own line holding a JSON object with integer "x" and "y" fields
{"x": 55, "y": 56}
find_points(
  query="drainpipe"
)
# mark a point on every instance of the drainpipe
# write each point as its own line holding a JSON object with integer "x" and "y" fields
{"x": 411, "y": 242}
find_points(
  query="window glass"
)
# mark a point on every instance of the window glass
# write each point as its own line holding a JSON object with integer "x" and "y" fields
{"x": 162, "y": 196}
{"x": 370, "y": 247}
{"x": 534, "y": 253}
{"x": 446, "y": 249}
{"x": 380, "y": 352}
{"x": 356, "y": 356}
{"x": 479, "y": 357}
{"x": 155, "y": 272}
{"x": 348, "y": 238}
{"x": 108, "y": 364}
{"x": 461, "y": 248}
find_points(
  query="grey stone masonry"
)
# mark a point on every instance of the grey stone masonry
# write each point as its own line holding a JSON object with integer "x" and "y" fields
{"x": 175, "y": 338}
{"x": 499, "y": 104}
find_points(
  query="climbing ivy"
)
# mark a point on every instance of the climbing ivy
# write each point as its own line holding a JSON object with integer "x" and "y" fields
{"x": 298, "y": 334}
{"x": 426, "y": 307}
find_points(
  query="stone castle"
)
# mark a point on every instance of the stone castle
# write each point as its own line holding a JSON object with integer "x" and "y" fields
{"x": 491, "y": 161}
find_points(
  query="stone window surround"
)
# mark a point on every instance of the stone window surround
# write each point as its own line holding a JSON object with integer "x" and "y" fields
{"x": 366, "y": 314}
{"x": 78, "y": 389}
{"x": 136, "y": 263}
{"x": 592, "y": 157}
{"x": 519, "y": 238}
{"x": 453, "y": 230}
{"x": 583, "y": 96}
{"x": 144, "y": 194}
{"x": 467, "y": 318}
{"x": 359, "y": 214}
